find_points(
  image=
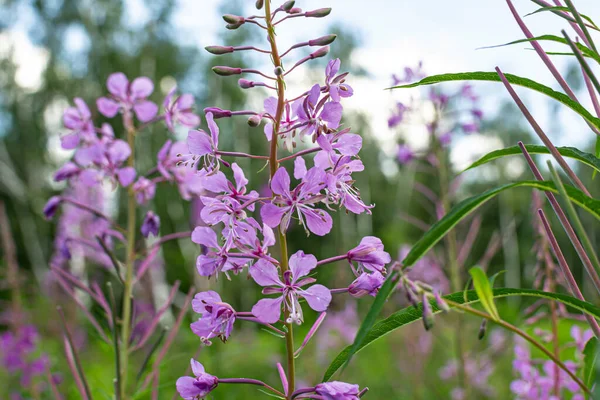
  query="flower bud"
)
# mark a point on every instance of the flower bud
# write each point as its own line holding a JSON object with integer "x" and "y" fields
{"x": 295, "y": 10}
{"x": 319, "y": 13}
{"x": 259, "y": 4}
{"x": 278, "y": 71}
{"x": 482, "y": 329}
{"x": 51, "y": 206}
{"x": 232, "y": 27}
{"x": 245, "y": 84}
{"x": 322, "y": 52}
{"x": 233, "y": 19}
{"x": 217, "y": 112}
{"x": 254, "y": 120}
{"x": 323, "y": 40}
{"x": 226, "y": 71}
{"x": 427, "y": 313}
{"x": 288, "y": 5}
{"x": 218, "y": 50}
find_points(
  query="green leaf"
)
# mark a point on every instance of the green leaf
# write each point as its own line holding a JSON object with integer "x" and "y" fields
{"x": 438, "y": 230}
{"x": 410, "y": 314}
{"x": 484, "y": 291}
{"x": 515, "y": 80}
{"x": 597, "y": 152}
{"x": 371, "y": 318}
{"x": 569, "y": 152}
{"x": 551, "y": 38}
{"x": 557, "y": 9}
{"x": 495, "y": 276}
{"x": 590, "y": 356}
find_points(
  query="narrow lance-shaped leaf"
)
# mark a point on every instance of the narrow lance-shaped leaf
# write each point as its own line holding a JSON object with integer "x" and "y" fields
{"x": 410, "y": 314}
{"x": 463, "y": 209}
{"x": 558, "y": 9}
{"x": 484, "y": 291}
{"x": 570, "y": 152}
{"x": 515, "y": 80}
{"x": 590, "y": 357}
{"x": 551, "y": 38}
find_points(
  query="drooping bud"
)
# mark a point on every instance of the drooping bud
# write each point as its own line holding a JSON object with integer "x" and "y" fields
{"x": 441, "y": 303}
{"x": 322, "y": 52}
{"x": 245, "y": 84}
{"x": 254, "y": 120}
{"x": 295, "y": 10}
{"x": 218, "y": 50}
{"x": 278, "y": 71}
{"x": 288, "y": 5}
{"x": 151, "y": 224}
{"x": 323, "y": 40}
{"x": 232, "y": 27}
{"x": 218, "y": 112}
{"x": 259, "y": 4}
{"x": 319, "y": 13}
{"x": 233, "y": 19}
{"x": 482, "y": 329}
{"x": 427, "y": 313}
{"x": 411, "y": 297}
{"x": 226, "y": 71}
{"x": 51, "y": 206}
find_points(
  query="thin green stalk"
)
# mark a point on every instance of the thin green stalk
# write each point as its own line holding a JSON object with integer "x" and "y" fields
{"x": 128, "y": 281}
{"x": 115, "y": 337}
{"x": 572, "y": 213}
{"x": 273, "y": 164}
{"x": 525, "y": 336}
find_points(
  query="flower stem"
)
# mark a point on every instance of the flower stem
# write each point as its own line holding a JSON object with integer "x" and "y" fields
{"x": 128, "y": 281}
{"x": 273, "y": 164}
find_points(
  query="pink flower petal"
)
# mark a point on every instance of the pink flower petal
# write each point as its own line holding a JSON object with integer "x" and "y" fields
{"x": 145, "y": 110}
{"x": 268, "y": 310}
{"x": 318, "y": 297}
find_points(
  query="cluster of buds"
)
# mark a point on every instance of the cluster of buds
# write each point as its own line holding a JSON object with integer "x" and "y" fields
{"x": 417, "y": 291}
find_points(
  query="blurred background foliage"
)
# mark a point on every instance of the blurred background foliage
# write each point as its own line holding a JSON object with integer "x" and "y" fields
{"x": 30, "y": 115}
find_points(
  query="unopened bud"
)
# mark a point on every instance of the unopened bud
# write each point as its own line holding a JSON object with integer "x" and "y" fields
{"x": 322, "y": 52}
{"x": 295, "y": 10}
{"x": 323, "y": 40}
{"x": 320, "y": 13}
{"x": 254, "y": 121}
{"x": 441, "y": 303}
{"x": 226, "y": 71}
{"x": 217, "y": 112}
{"x": 482, "y": 329}
{"x": 232, "y": 27}
{"x": 233, "y": 19}
{"x": 427, "y": 313}
{"x": 288, "y": 5}
{"x": 259, "y": 4}
{"x": 218, "y": 50}
{"x": 245, "y": 84}
{"x": 278, "y": 71}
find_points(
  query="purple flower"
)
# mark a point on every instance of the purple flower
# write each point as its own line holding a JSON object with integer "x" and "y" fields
{"x": 216, "y": 258}
{"x": 78, "y": 120}
{"x": 265, "y": 274}
{"x": 108, "y": 157}
{"x": 340, "y": 184}
{"x": 398, "y": 116}
{"x": 366, "y": 284}
{"x": 337, "y": 391}
{"x": 335, "y": 84}
{"x": 218, "y": 183}
{"x": 300, "y": 200}
{"x": 404, "y": 154}
{"x": 288, "y": 120}
{"x": 470, "y": 128}
{"x": 144, "y": 190}
{"x": 180, "y": 110}
{"x": 196, "y": 388}
{"x": 369, "y": 254}
{"x": 203, "y": 146}
{"x": 317, "y": 116}
{"x": 126, "y": 97}
{"x": 581, "y": 337}
{"x": 151, "y": 224}
{"x": 51, "y": 206}
{"x": 342, "y": 142}
{"x": 217, "y": 317}
{"x": 169, "y": 165}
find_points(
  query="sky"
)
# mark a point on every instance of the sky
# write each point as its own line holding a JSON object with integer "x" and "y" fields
{"x": 446, "y": 36}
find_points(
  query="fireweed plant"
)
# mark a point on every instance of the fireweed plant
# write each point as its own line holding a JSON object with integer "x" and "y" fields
{"x": 242, "y": 227}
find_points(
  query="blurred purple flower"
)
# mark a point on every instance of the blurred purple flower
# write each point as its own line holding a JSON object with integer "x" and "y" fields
{"x": 127, "y": 96}
{"x": 151, "y": 224}
{"x": 196, "y": 388}
{"x": 78, "y": 120}
{"x": 336, "y": 390}
{"x": 180, "y": 110}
